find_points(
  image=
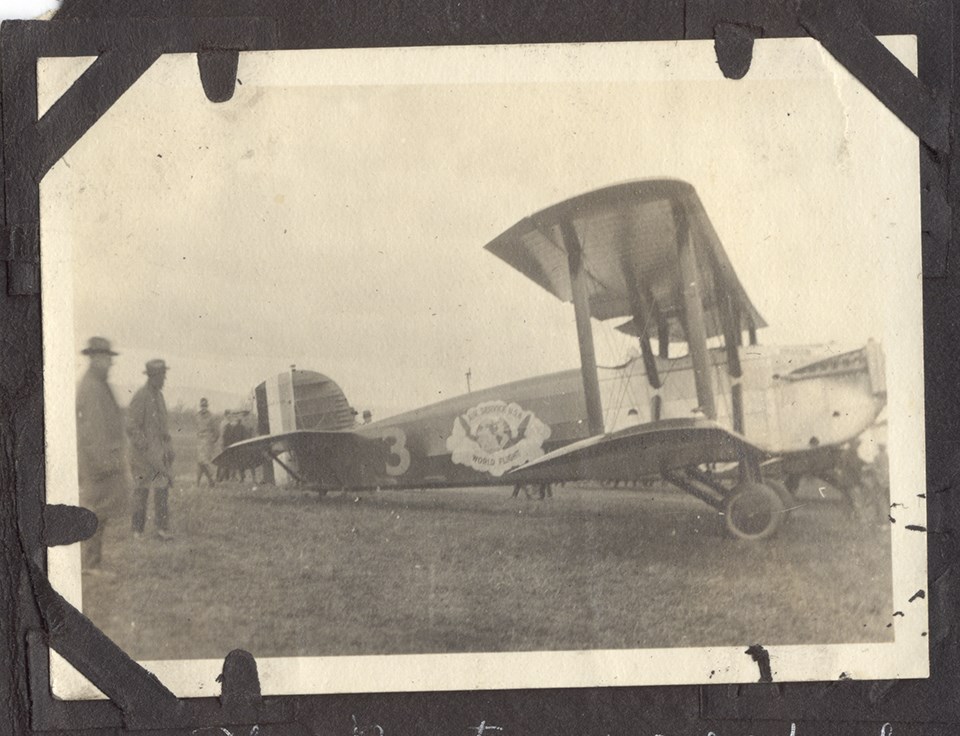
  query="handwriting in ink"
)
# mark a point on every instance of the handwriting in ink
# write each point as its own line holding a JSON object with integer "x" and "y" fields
{"x": 362, "y": 731}
{"x": 885, "y": 730}
{"x": 484, "y": 727}
{"x": 221, "y": 731}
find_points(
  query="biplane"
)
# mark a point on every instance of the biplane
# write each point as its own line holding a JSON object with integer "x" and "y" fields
{"x": 700, "y": 392}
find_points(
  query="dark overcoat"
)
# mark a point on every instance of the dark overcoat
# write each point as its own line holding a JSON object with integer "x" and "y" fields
{"x": 208, "y": 433}
{"x": 99, "y": 446}
{"x": 151, "y": 451}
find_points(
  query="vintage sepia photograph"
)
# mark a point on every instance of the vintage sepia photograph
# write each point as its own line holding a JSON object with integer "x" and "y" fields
{"x": 490, "y": 367}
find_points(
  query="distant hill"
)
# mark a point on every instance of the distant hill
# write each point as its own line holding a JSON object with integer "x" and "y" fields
{"x": 188, "y": 396}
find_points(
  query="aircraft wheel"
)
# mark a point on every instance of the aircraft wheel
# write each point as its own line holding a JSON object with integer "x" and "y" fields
{"x": 534, "y": 491}
{"x": 753, "y": 511}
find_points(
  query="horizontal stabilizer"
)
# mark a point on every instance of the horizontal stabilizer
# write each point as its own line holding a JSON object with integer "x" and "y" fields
{"x": 324, "y": 457}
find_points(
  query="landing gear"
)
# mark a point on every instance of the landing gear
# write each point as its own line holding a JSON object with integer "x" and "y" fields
{"x": 315, "y": 488}
{"x": 540, "y": 491}
{"x": 786, "y": 496}
{"x": 753, "y": 511}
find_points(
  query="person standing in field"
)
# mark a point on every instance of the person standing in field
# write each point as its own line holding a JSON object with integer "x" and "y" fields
{"x": 876, "y": 479}
{"x": 240, "y": 434}
{"x": 103, "y": 486}
{"x": 208, "y": 432}
{"x": 848, "y": 478}
{"x": 226, "y": 439}
{"x": 151, "y": 451}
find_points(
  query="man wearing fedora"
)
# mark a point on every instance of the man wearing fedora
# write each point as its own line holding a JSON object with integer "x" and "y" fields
{"x": 103, "y": 487}
{"x": 151, "y": 451}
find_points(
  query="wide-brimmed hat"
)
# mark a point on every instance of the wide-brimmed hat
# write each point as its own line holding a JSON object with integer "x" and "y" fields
{"x": 156, "y": 367}
{"x": 97, "y": 346}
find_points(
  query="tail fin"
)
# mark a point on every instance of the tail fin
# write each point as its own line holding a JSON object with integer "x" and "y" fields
{"x": 319, "y": 403}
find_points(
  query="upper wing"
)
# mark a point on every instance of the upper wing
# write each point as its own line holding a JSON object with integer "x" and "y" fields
{"x": 648, "y": 449}
{"x": 628, "y": 235}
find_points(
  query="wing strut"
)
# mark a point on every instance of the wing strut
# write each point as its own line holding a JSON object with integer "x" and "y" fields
{"x": 644, "y": 309}
{"x": 581, "y": 309}
{"x": 275, "y": 456}
{"x": 695, "y": 328}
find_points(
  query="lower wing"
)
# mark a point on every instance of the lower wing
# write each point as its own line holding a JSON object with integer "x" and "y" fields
{"x": 644, "y": 450}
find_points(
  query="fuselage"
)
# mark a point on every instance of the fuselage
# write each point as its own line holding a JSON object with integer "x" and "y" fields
{"x": 794, "y": 399}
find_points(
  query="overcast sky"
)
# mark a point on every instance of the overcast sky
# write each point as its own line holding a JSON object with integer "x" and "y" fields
{"x": 26, "y": 9}
{"x": 331, "y": 218}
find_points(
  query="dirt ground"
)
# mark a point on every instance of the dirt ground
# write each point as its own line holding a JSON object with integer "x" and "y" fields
{"x": 282, "y": 572}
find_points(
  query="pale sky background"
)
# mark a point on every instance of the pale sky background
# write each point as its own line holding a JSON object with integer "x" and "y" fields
{"x": 332, "y": 218}
{"x": 26, "y": 9}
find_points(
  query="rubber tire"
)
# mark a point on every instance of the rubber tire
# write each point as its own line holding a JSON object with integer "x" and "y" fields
{"x": 314, "y": 488}
{"x": 536, "y": 491}
{"x": 762, "y": 520}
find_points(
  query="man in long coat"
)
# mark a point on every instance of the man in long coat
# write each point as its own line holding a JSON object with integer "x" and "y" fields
{"x": 208, "y": 432}
{"x": 103, "y": 487}
{"x": 151, "y": 451}
{"x": 227, "y": 438}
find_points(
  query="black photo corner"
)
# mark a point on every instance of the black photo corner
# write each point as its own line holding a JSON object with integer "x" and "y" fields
{"x": 127, "y": 37}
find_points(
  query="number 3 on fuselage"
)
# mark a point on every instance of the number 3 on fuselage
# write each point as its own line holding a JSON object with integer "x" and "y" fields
{"x": 398, "y": 456}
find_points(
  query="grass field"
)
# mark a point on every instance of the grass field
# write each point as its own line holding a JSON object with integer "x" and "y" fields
{"x": 281, "y": 572}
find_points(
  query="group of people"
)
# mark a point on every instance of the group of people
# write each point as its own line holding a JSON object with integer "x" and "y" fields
{"x": 101, "y": 445}
{"x": 234, "y": 431}
{"x": 210, "y": 439}
{"x": 108, "y": 441}
{"x": 864, "y": 479}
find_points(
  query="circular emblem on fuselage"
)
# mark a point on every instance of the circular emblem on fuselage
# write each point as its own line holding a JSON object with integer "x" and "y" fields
{"x": 494, "y": 437}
